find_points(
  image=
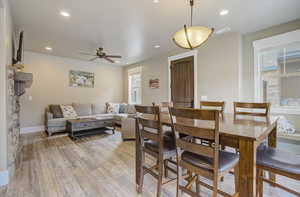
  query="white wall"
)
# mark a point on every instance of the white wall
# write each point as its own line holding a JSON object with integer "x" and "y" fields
{"x": 51, "y": 85}
{"x": 5, "y": 60}
{"x": 218, "y": 71}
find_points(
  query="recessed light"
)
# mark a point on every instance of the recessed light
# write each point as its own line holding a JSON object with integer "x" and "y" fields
{"x": 156, "y": 46}
{"x": 64, "y": 13}
{"x": 155, "y": 1}
{"x": 117, "y": 61}
{"x": 48, "y": 48}
{"x": 224, "y": 12}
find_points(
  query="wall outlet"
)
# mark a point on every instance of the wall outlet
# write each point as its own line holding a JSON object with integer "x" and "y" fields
{"x": 30, "y": 98}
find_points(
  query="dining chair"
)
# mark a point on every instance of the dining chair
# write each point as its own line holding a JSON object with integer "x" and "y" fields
{"x": 254, "y": 109}
{"x": 164, "y": 107}
{"x": 203, "y": 161}
{"x": 218, "y": 105}
{"x": 279, "y": 162}
{"x": 154, "y": 143}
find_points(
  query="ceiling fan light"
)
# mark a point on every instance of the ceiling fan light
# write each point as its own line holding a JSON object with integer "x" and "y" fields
{"x": 192, "y": 37}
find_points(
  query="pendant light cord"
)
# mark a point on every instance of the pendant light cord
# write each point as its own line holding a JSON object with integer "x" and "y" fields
{"x": 191, "y": 4}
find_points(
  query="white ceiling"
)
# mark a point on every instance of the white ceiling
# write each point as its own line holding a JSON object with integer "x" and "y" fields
{"x": 132, "y": 27}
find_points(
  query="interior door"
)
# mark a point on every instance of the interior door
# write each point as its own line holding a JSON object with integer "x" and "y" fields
{"x": 182, "y": 82}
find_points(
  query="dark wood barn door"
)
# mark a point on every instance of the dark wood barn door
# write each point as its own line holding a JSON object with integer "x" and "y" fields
{"x": 182, "y": 82}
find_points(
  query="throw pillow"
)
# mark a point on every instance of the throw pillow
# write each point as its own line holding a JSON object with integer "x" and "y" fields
{"x": 109, "y": 108}
{"x": 131, "y": 109}
{"x": 68, "y": 111}
{"x": 56, "y": 111}
{"x": 112, "y": 108}
{"x": 122, "y": 109}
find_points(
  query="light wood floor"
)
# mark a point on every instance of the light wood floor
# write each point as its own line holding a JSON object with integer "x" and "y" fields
{"x": 102, "y": 165}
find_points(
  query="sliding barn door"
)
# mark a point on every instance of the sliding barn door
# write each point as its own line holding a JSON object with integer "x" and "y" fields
{"x": 182, "y": 82}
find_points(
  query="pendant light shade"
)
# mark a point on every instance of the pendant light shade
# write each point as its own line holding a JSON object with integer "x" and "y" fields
{"x": 192, "y": 37}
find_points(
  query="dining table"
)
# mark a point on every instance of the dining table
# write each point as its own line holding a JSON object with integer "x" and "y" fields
{"x": 244, "y": 133}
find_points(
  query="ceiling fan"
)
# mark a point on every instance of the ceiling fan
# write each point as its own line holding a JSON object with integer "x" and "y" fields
{"x": 102, "y": 55}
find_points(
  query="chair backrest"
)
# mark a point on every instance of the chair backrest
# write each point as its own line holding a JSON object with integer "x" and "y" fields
{"x": 163, "y": 105}
{"x": 194, "y": 123}
{"x": 219, "y": 105}
{"x": 148, "y": 126}
{"x": 265, "y": 107}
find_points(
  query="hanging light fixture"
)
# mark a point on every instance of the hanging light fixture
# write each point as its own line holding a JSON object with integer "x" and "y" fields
{"x": 193, "y": 36}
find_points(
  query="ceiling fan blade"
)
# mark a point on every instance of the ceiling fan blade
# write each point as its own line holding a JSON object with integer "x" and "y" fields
{"x": 110, "y": 60}
{"x": 114, "y": 56}
{"x": 93, "y": 58}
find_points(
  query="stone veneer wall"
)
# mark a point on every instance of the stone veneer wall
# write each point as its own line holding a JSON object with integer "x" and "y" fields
{"x": 13, "y": 118}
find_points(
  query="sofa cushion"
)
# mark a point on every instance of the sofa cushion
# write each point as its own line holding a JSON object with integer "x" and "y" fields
{"x": 112, "y": 108}
{"x": 130, "y": 109}
{"x": 68, "y": 111}
{"x": 123, "y": 107}
{"x": 104, "y": 116}
{"x": 120, "y": 116}
{"x": 56, "y": 111}
{"x": 83, "y": 109}
{"x": 98, "y": 108}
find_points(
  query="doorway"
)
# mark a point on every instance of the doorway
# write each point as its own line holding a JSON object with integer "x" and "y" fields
{"x": 182, "y": 78}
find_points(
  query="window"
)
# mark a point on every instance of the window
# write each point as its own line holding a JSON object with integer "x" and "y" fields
{"x": 134, "y": 86}
{"x": 277, "y": 72}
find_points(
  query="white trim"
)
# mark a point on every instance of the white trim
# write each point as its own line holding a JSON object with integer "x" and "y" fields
{"x": 193, "y": 53}
{"x": 34, "y": 129}
{"x": 274, "y": 41}
{"x": 4, "y": 177}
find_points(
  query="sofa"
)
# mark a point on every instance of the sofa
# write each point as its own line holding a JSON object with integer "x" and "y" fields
{"x": 56, "y": 119}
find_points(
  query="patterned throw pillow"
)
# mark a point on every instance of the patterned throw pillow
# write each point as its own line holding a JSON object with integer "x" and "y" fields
{"x": 68, "y": 111}
{"x": 112, "y": 108}
{"x": 109, "y": 108}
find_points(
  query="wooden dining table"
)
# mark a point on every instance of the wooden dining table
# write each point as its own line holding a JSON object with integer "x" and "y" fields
{"x": 244, "y": 133}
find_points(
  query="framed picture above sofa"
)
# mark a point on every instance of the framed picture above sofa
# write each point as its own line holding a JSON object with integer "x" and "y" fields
{"x": 81, "y": 79}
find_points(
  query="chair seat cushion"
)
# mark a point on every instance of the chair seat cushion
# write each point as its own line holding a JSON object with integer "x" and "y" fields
{"x": 278, "y": 159}
{"x": 227, "y": 160}
{"x": 169, "y": 146}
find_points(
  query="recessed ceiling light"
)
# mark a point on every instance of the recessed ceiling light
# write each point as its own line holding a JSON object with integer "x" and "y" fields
{"x": 64, "y": 13}
{"x": 156, "y": 46}
{"x": 155, "y": 1}
{"x": 48, "y": 48}
{"x": 224, "y": 12}
{"x": 117, "y": 61}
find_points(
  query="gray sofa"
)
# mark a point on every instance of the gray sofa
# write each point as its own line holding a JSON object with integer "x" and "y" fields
{"x": 55, "y": 125}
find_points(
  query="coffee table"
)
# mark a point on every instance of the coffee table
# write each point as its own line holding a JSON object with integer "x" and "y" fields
{"x": 88, "y": 126}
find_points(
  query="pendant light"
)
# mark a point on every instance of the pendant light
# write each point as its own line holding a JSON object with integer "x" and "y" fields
{"x": 193, "y": 36}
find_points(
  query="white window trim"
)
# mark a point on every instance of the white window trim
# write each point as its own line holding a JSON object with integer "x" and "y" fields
{"x": 193, "y": 53}
{"x": 132, "y": 71}
{"x": 270, "y": 42}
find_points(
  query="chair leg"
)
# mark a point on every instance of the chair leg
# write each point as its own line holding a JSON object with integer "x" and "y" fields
{"x": 215, "y": 185}
{"x": 236, "y": 178}
{"x": 166, "y": 168}
{"x": 160, "y": 176}
{"x": 197, "y": 186}
{"x": 259, "y": 182}
{"x": 179, "y": 181}
{"x": 141, "y": 179}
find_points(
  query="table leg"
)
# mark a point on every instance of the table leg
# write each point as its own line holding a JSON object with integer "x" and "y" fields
{"x": 247, "y": 168}
{"x": 138, "y": 156}
{"x": 272, "y": 142}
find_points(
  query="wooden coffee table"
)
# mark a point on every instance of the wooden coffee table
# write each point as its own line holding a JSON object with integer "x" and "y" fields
{"x": 88, "y": 126}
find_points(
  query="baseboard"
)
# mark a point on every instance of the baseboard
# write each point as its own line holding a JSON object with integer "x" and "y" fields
{"x": 4, "y": 178}
{"x": 35, "y": 129}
